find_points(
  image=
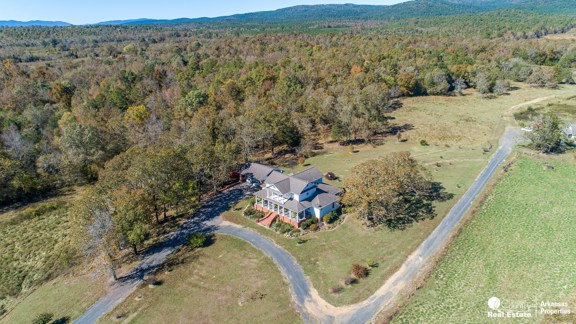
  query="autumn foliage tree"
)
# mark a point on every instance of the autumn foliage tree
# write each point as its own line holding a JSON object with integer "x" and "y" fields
{"x": 394, "y": 191}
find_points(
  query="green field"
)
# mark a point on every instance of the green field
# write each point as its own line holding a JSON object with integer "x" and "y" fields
{"x": 63, "y": 297}
{"x": 455, "y": 157}
{"x": 34, "y": 247}
{"x": 229, "y": 281}
{"x": 519, "y": 246}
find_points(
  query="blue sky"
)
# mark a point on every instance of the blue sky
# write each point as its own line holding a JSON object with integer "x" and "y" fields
{"x": 92, "y": 11}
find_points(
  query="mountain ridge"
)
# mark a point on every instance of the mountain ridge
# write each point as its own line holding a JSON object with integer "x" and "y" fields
{"x": 350, "y": 12}
{"x": 16, "y": 23}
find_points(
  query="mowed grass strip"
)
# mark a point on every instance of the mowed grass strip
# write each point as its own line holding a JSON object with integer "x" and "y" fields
{"x": 519, "y": 246}
{"x": 227, "y": 282}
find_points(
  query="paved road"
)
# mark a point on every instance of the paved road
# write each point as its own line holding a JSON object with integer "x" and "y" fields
{"x": 308, "y": 303}
{"x": 205, "y": 219}
{"x": 435, "y": 243}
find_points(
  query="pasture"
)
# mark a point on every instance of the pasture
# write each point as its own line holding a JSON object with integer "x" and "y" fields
{"x": 519, "y": 246}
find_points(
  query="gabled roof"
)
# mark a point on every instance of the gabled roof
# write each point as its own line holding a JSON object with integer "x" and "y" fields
{"x": 330, "y": 189}
{"x": 259, "y": 171}
{"x": 311, "y": 174}
{"x": 291, "y": 184}
{"x": 323, "y": 200}
{"x": 275, "y": 177}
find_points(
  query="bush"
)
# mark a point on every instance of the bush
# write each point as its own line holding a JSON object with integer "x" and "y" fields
{"x": 197, "y": 240}
{"x": 424, "y": 143}
{"x": 330, "y": 218}
{"x": 252, "y": 213}
{"x": 351, "y": 148}
{"x": 301, "y": 160}
{"x": 313, "y": 227}
{"x": 349, "y": 281}
{"x": 372, "y": 263}
{"x": 295, "y": 232}
{"x": 336, "y": 289}
{"x": 305, "y": 224}
{"x": 359, "y": 271}
{"x": 2, "y": 310}
{"x": 281, "y": 227}
{"x": 43, "y": 318}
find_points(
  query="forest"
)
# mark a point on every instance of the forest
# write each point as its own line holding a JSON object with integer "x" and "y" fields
{"x": 153, "y": 117}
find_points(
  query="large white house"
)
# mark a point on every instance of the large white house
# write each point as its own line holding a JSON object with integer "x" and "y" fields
{"x": 292, "y": 197}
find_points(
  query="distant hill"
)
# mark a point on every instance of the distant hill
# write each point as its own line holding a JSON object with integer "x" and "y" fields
{"x": 351, "y": 12}
{"x": 15, "y": 23}
{"x": 565, "y": 7}
{"x": 410, "y": 9}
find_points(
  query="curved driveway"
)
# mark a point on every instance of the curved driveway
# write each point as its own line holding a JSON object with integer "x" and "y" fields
{"x": 308, "y": 303}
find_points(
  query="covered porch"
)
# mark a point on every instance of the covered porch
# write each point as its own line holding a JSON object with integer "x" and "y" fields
{"x": 286, "y": 214}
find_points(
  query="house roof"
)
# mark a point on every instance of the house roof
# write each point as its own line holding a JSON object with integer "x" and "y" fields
{"x": 258, "y": 171}
{"x": 275, "y": 177}
{"x": 311, "y": 174}
{"x": 324, "y": 199}
{"x": 291, "y": 184}
{"x": 330, "y": 189}
{"x": 295, "y": 206}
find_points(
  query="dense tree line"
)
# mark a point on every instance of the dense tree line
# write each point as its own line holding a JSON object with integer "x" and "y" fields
{"x": 218, "y": 97}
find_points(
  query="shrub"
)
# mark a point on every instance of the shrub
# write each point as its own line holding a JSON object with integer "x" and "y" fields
{"x": 351, "y": 148}
{"x": 424, "y": 143}
{"x": 295, "y": 232}
{"x": 252, "y": 213}
{"x": 43, "y": 318}
{"x": 359, "y": 271}
{"x": 330, "y": 218}
{"x": 197, "y": 240}
{"x": 2, "y": 310}
{"x": 281, "y": 227}
{"x": 313, "y": 227}
{"x": 305, "y": 224}
{"x": 336, "y": 289}
{"x": 349, "y": 281}
{"x": 372, "y": 263}
{"x": 301, "y": 160}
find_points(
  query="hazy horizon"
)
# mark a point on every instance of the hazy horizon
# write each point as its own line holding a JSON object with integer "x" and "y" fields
{"x": 106, "y": 10}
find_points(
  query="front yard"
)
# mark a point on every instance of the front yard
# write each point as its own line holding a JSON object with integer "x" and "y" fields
{"x": 229, "y": 281}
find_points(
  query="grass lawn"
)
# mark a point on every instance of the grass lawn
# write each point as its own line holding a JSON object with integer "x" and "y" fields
{"x": 227, "y": 282}
{"x": 457, "y": 128}
{"x": 63, "y": 297}
{"x": 519, "y": 247}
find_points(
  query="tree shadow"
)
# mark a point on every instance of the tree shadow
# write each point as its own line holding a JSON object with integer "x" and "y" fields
{"x": 437, "y": 192}
{"x": 395, "y": 128}
{"x": 394, "y": 105}
{"x": 61, "y": 320}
